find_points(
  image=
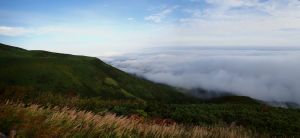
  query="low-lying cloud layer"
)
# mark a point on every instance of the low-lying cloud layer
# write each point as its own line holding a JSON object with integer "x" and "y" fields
{"x": 266, "y": 74}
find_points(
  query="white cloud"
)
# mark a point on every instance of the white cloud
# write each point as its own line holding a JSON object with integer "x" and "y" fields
{"x": 46, "y": 30}
{"x": 270, "y": 75}
{"x": 130, "y": 19}
{"x": 158, "y": 17}
{"x": 79, "y": 39}
{"x": 237, "y": 23}
{"x": 13, "y": 31}
{"x": 233, "y": 3}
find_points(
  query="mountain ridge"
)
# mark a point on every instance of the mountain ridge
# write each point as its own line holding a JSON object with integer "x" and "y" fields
{"x": 80, "y": 75}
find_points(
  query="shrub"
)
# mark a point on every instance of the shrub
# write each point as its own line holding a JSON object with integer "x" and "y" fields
{"x": 111, "y": 82}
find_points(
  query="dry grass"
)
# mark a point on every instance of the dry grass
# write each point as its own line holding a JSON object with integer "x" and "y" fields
{"x": 36, "y": 121}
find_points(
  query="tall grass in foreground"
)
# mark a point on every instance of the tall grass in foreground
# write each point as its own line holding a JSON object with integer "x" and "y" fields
{"x": 36, "y": 121}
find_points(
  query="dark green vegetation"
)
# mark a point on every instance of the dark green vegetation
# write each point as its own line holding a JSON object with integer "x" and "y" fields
{"x": 87, "y": 83}
{"x": 263, "y": 119}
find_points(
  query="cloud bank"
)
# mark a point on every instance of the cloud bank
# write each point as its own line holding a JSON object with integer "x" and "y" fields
{"x": 265, "y": 74}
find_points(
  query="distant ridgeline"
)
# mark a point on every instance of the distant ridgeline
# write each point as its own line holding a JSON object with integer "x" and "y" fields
{"x": 228, "y": 97}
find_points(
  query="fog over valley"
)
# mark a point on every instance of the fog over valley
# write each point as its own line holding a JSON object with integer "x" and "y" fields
{"x": 267, "y": 74}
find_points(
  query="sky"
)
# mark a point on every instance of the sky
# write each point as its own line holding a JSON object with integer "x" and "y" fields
{"x": 111, "y": 27}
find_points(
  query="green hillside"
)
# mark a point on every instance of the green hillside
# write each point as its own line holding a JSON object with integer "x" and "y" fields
{"x": 41, "y": 71}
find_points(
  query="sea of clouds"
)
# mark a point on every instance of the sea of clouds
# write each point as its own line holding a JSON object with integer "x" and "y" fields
{"x": 269, "y": 74}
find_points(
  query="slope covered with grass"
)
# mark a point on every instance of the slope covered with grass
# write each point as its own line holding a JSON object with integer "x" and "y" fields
{"x": 41, "y": 71}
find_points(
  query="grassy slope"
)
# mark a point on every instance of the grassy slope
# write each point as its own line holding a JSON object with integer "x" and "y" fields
{"x": 77, "y": 75}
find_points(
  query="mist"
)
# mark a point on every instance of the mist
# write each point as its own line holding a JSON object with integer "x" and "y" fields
{"x": 264, "y": 74}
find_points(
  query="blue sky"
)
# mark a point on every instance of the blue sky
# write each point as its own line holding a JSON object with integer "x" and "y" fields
{"x": 105, "y": 27}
